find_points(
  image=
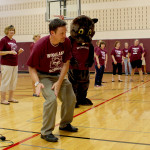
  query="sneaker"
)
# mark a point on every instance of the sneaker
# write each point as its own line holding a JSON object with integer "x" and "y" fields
{"x": 69, "y": 128}
{"x": 35, "y": 95}
{"x": 97, "y": 85}
{"x": 131, "y": 80}
{"x": 49, "y": 138}
{"x": 120, "y": 81}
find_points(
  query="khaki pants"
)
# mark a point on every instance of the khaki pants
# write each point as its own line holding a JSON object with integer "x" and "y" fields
{"x": 67, "y": 97}
{"x": 9, "y": 78}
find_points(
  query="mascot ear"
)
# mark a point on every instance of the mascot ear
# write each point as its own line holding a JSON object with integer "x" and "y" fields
{"x": 95, "y": 20}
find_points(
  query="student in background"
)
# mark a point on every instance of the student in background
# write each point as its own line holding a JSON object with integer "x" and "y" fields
{"x": 135, "y": 56}
{"x": 9, "y": 65}
{"x": 144, "y": 58}
{"x": 100, "y": 63}
{"x": 126, "y": 63}
{"x": 36, "y": 37}
{"x": 117, "y": 58}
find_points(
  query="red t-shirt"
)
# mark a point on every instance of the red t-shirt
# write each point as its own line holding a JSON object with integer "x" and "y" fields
{"x": 125, "y": 52}
{"x": 8, "y": 45}
{"x": 101, "y": 55}
{"x": 117, "y": 54}
{"x": 47, "y": 58}
{"x": 136, "y": 52}
{"x": 81, "y": 54}
{"x": 31, "y": 46}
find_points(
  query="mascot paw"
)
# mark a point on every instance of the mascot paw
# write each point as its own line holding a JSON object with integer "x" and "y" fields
{"x": 73, "y": 62}
{"x": 87, "y": 102}
{"x": 77, "y": 105}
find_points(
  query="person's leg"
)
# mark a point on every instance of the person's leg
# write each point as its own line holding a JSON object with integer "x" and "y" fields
{"x": 67, "y": 96}
{"x": 97, "y": 77}
{"x": 130, "y": 68}
{"x": 114, "y": 71}
{"x": 132, "y": 73}
{"x": 13, "y": 84}
{"x": 125, "y": 65}
{"x": 49, "y": 106}
{"x": 6, "y": 72}
{"x": 145, "y": 69}
{"x": 133, "y": 64}
{"x": 140, "y": 73}
{"x": 83, "y": 87}
{"x": 119, "y": 71}
{"x": 73, "y": 78}
{"x": 101, "y": 73}
{"x": 139, "y": 66}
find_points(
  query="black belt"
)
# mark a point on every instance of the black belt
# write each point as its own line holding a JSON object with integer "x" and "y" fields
{"x": 46, "y": 73}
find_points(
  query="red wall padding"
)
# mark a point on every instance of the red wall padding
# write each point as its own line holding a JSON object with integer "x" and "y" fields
{"x": 22, "y": 59}
{"x": 109, "y": 43}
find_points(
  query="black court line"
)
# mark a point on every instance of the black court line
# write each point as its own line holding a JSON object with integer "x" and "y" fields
{"x": 20, "y": 130}
{"x": 84, "y": 138}
{"x": 104, "y": 140}
{"x": 135, "y": 101}
{"x": 132, "y": 131}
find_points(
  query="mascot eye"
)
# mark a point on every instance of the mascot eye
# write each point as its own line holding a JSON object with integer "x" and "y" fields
{"x": 81, "y": 31}
{"x": 90, "y": 32}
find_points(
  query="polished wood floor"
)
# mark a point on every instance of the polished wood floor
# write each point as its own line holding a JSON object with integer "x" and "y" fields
{"x": 118, "y": 120}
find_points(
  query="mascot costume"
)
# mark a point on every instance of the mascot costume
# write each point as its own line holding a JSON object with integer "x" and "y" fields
{"x": 81, "y": 33}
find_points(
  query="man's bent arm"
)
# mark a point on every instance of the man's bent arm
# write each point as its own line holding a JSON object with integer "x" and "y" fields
{"x": 63, "y": 72}
{"x": 56, "y": 86}
{"x": 33, "y": 74}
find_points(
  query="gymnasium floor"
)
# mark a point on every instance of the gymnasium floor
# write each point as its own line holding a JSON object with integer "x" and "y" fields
{"x": 118, "y": 120}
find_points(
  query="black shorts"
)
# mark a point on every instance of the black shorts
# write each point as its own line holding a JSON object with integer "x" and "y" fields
{"x": 117, "y": 66}
{"x": 136, "y": 63}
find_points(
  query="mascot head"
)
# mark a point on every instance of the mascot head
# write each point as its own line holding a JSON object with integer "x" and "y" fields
{"x": 82, "y": 29}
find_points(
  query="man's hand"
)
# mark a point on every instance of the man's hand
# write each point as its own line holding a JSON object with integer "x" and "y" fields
{"x": 99, "y": 66}
{"x": 38, "y": 88}
{"x": 128, "y": 60}
{"x": 56, "y": 87}
{"x": 13, "y": 52}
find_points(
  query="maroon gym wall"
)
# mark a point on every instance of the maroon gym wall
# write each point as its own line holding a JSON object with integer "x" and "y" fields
{"x": 109, "y": 43}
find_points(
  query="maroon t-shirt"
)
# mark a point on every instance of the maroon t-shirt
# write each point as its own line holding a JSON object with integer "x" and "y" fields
{"x": 81, "y": 54}
{"x": 136, "y": 53}
{"x": 101, "y": 55}
{"x": 47, "y": 58}
{"x": 8, "y": 45}
{"x": 31, "y": 46}
{"x": 125, "y": 52}
{"x": 117, "y": 54}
